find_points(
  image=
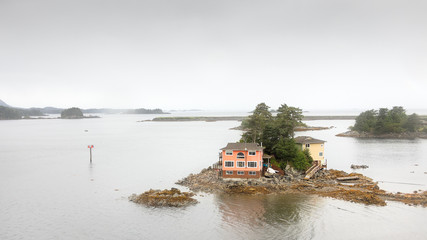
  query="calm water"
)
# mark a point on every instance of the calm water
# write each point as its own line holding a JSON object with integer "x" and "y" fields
{"x": 48, "y": 189}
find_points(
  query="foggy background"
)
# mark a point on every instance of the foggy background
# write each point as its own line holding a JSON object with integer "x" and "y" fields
{"x": 213, "y": 55}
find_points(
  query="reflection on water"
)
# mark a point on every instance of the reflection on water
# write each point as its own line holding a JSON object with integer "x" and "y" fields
{"x": 272, "y": 216}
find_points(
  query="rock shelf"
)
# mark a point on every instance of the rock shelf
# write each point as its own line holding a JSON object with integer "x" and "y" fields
{"x": 405, "y": 135}
{"x": 165, "y": 198}
{"x": 324, "y": 183}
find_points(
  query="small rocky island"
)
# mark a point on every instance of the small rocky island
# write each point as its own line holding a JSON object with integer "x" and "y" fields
{"x": 294, "y": 169}
{"x": 165, "y": 198}
{"x": 74, "y": 113}
{"x": 388, "y": 123}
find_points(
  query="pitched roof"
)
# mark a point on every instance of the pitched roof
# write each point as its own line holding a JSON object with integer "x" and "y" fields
{"x": 307, "y": 139}
{"x": 243, "y": 146}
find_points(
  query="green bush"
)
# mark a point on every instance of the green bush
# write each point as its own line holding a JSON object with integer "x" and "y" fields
{"x": 301, "y": 162}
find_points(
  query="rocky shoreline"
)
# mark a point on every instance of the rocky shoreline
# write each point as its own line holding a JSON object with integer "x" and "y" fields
{"x": 360, "y": 189}
{"x": 405, "y": 135}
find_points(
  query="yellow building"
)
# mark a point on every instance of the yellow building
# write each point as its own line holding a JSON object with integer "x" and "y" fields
{"x": 315, "y": 146}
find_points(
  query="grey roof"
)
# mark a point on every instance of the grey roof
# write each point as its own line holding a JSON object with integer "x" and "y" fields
{"x": 243, "y": 146}
{"x": 307, "y": 139}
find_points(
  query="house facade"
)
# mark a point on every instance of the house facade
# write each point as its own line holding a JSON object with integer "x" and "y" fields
{"x": 315, "y": 146}
{"x": 242, "y": 160}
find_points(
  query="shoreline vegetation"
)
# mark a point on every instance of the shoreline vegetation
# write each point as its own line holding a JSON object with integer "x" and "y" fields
{"x": 353, "y": 187}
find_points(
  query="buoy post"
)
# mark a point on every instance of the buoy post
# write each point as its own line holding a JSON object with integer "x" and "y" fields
{"x": 90, "y": 149}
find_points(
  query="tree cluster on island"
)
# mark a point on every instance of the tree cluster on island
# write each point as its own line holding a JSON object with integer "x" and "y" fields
{"x": 385, "y": 121}
{"x": 72, "y": 113}
{"x": 276, "y": 133}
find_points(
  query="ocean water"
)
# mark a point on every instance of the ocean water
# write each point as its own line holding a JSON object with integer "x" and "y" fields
{"x": 49, "y": 189}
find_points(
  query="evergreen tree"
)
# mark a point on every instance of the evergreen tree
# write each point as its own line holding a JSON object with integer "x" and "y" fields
{"x": 256, "y": 123}
{"x": 287, "y": 119}
{"x": 413, "y": 123}
{"x": 366, "y": 121}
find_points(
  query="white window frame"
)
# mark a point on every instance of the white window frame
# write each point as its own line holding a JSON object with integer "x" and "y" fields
{"x": 225, "y": 164}
{"x": 229, "y": 153}
{"x": 253, "y": 173}
{"x": 252, "y": 153}
{"x": 228, "y": 172}
{"x": 240, "y": 173}
{"x": 237, "y": 164}
{"x": 238, "y": 155}
{"x": 256, "y": 163}
{"x": 307, "y": 145}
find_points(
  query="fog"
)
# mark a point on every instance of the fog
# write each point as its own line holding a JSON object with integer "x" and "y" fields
{"x": 213, "y": 55}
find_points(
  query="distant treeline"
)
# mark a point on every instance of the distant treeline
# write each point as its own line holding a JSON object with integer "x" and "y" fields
{"x": 8, "y": 113}
{"x": 384, "y": 121}
{"x": 146, "y": 111}
{"x": 18, "y": 113}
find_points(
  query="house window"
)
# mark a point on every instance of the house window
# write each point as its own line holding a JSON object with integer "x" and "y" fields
{"x": 252, "y": 173}
{"x": 228, "y": 172}
{"x": 229, "y": 164}
{"x": 252, "y": 153}
{"x": 229, "y": 152}
{"x": 321, "y": 145}
{"x": 252, "y": 164}
{"x": 320, "y": 154}
{"x": 240, "y": 164}
{"x": 307, "y": 145}
{"x": 240, "y": 155}
{"x": 240, "y": 173}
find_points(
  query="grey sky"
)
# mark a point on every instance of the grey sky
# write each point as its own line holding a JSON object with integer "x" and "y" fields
{"x": 180, "y": 54}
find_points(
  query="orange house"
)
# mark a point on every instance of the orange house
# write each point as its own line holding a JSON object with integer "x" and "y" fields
{"x": 241, "y": 160}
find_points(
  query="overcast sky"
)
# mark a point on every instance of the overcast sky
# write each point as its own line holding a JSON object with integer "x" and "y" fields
{"x": 213, "y": 55}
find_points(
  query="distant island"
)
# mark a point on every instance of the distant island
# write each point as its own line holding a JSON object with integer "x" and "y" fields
{"x": 8, "y": 112}
{"x": 72, "y": 113}
{"x": 388, "y": 123}
{"x": 196, "y": 118}
{"x": 146, "y": 111}
{"x": 240, "y": 118}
